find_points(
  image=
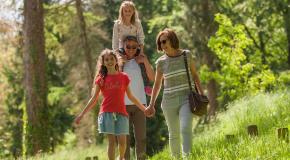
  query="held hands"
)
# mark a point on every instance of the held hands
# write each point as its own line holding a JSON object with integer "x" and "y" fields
{"x": 143, "y": 108}
{"x": 150, "y": 111}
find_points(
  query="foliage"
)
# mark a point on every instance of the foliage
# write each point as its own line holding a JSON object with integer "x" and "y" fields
{"x": 13, "y": 75}
{"x": 237, "y": 75}
{"x": 284, "y": 79}
{"x": 265, "y": 26}
{"x": 64, "y": 42}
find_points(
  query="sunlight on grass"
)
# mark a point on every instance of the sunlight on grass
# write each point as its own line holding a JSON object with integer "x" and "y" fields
{"x": 268, "y": 111}
{"x": 76, "y": 154}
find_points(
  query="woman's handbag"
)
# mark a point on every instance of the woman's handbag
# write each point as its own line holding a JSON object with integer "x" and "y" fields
{"x": 197, "y": 102}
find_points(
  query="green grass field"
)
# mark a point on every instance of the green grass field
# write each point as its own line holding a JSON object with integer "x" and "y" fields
{"x": 268, "y": 111}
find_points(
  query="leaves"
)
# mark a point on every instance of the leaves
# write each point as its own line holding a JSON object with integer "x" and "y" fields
{"x": 237, "y": 75}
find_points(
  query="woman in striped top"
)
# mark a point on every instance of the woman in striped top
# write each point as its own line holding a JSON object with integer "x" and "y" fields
{"x": 175, "y": 106}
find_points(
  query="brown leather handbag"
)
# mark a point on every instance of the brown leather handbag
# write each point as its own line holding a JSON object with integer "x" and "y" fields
{"x": 197, "y": 102}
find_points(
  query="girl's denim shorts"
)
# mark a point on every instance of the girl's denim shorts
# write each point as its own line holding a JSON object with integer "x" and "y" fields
{"x": 113, "y": 123}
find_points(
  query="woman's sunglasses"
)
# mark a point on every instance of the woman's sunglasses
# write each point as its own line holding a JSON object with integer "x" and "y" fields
{"x": 131, "y": 47}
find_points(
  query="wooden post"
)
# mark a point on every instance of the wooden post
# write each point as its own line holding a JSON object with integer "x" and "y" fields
{"x": 283, "y": 134}
{"x": 95, "y": 158}
{"x": 229, "y": 137}
{"x": 253, "y": 130}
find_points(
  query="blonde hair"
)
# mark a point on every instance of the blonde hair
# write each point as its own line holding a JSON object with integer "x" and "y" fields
{"x": 134, "y": 17}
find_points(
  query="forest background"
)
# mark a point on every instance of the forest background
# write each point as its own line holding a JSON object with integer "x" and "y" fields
{"x": 49, "y": 50}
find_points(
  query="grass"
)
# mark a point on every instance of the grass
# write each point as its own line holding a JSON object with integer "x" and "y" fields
{"x": 75, "y": 154}
{"x": 268, "y": 111}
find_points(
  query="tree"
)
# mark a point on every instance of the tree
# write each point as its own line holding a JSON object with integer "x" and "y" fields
{"x": 283, "y": 7}
{"x": 37, "y": 133}
{"x": 199, "y": 25}
{"x": 237, "y": 75}
{"x": 84, "y": 41}
{"x": 267, "y": 24}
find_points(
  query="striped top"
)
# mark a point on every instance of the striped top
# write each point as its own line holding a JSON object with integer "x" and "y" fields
{"x": 174, "y": 74}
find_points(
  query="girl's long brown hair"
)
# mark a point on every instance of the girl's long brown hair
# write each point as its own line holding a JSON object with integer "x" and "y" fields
{"x": 102, "y": 70}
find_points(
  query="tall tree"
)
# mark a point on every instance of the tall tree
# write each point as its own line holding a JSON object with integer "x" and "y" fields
{"x": 199, "y": 24}
{"x": 267, "y": 24}
{"x": 84, "y": 41}
{"x": 83, "y": 132}
{"x": 37, "y": 133}
{"x": 284, "y": 7}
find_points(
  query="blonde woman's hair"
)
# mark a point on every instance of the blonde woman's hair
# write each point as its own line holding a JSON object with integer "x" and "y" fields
{"x": 134, "y": 17}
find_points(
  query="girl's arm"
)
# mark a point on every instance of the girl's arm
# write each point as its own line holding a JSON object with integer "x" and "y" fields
{"x": 156, "y": 90}
{"x": 134, "y": 99}
{"x": 91, "y": 104}
{"x": 195, "y": 77}
{"x": 93, "y": 85}
{"x": 142, "y": 49}
{"x": 115, "y": 39}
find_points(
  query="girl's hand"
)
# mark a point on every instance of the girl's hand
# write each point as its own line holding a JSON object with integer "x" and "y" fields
{"x": 143, "y": 108}
{"x": 150, "y": 111}
{"x": 142, "y": 53}
{"x": 122, "y": 59}
{"x": 78, "y": 119}
{"x": 140, "y": 59}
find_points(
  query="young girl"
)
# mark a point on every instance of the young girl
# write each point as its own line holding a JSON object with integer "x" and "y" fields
{"x": 128, "y": 24}
{"x": 113, "y": 117}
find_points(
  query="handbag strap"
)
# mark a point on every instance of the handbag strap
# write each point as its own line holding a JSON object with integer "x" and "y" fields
{"x": 187, "y": 73}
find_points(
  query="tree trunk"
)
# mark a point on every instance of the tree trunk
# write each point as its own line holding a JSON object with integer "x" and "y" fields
{"x": 286, "y": 17}
{"x": 212, "y": 88}
{"x": 37, "y": 137}
{"x": 261, "y": 40}
{"x": 86, "y": 131}
{"x": 199, "y": 23}
{"x": 84, "y": 41}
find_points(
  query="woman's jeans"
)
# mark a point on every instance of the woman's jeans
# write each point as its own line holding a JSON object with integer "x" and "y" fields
{"x": 179, "y": 121}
